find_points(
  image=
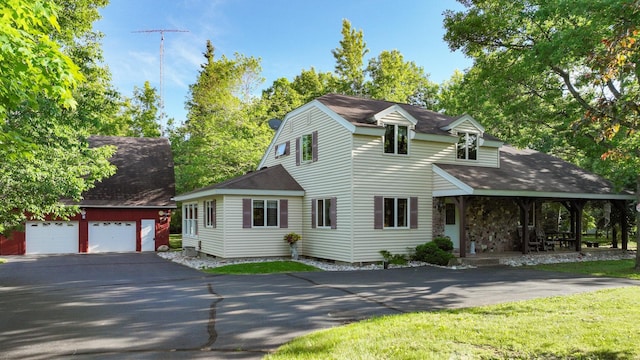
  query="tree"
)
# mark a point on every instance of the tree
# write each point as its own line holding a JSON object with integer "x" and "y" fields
{"x": 141, "y": 112}
{"x": 567, "y": 54}
{"x": 44, "y": 158}
{"x": 394, "y": 79}
{"x": 350, "y": 60}
{"x": 225, "y": 133}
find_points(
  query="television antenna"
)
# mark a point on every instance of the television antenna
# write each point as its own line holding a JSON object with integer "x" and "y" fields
{"x": 161, "y": 31}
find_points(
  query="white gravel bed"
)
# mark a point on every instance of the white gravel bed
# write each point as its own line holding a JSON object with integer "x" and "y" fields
{"x": 212, "y": 262}
{"x": 552, "y": 258}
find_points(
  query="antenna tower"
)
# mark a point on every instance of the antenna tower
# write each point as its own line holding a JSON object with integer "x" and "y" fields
{"x": 161, "y": 31}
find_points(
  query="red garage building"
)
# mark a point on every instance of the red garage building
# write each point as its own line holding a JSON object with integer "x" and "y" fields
{"x": 129, "y": 211}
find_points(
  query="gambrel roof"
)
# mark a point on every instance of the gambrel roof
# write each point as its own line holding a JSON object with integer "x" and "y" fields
{"x": 144, "y": 175}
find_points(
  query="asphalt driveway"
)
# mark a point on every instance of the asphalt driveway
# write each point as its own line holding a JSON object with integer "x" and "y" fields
{"x": 142, "y": 306}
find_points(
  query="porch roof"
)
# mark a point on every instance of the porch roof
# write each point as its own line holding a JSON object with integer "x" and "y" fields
{"x": 274, "y": 180}
{"x": 525, "y": 173}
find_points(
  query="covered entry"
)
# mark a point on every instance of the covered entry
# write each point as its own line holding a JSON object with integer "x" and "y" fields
{"x": 495, "y": 204}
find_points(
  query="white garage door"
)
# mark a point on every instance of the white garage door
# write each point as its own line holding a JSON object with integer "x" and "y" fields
{"x": 112, "y": 236}
{"x": 51, "y": 237}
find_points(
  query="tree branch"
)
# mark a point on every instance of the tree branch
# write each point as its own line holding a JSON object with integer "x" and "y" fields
{"x": 576, "y": 95}
{"x": 613, "y": 89}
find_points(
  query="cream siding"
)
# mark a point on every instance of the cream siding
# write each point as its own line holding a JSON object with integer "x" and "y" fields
{"x": 330, "y": 176}
{"x": 441, "y": 184}
{"x": 467, "y": 126}
{"x": 211, "y": 239}
{"x": 378, "y": 174}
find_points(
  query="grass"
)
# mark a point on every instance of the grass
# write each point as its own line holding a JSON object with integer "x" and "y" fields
{"x": 2, "y": 261}
{"x": 596, "y": 325}
{"x": 267, "y": 267}
{"x": 175, "y": 241}
{"x": 609, "y": 268}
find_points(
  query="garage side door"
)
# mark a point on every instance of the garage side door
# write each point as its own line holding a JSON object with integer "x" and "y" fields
{"x": 51, "y": 237}
{"x": 112, "y": 236}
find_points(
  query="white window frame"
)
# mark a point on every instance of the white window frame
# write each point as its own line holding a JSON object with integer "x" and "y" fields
{"x": 407, "y": 212}
{"x": 323, "y": 213}
{"x": 466, "y": 145}
{"x": 190, "y": 220}
{"x": 265, "y": 217}
{"x": 396, "y": 139}
{"x": 306, "y": 148}
{"x": 209, "y": 213}
{"x": 281, "y": 150}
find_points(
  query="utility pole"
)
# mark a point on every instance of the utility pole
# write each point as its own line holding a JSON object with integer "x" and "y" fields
{"x": 161, "y": 31}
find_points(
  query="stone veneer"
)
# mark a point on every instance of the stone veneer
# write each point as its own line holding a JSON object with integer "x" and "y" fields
{"x": 492, "y": 222}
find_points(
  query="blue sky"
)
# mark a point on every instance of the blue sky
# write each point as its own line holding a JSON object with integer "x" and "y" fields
{"x": 287, "y": 35}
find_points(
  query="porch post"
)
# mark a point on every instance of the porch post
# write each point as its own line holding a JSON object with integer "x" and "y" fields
{"x": 621, "y": 205}
{"x": 461, "y": 204}
{"x": 578, "y": 207}
{"x": 525, "y": 205}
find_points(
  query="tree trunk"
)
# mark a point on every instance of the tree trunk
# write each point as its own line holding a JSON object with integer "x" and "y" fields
{"x": 637, "y": 207}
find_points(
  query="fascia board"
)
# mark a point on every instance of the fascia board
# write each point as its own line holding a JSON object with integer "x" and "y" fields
{"x": 398, "y": 109}
{"x": 460, "y": 120}
{"x": 243, "y": 192}
{"x": 464, "y": 188}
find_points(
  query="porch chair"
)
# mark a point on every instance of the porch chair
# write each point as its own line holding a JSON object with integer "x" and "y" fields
{"x": 548, "y": 242}
{"x": 535, "y": 242}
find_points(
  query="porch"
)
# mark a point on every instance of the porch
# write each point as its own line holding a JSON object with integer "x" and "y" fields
{"x": 516, "y": 258}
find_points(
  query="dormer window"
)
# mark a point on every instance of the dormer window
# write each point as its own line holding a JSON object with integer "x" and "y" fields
{"x": 396, "y": 139}
{"x": 467, "y": 146}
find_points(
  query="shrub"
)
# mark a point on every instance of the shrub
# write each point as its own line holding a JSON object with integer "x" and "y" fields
{"x": 431, "y": 253}
{"x": 394, "y": 259}
{"x": 444, "y": 243}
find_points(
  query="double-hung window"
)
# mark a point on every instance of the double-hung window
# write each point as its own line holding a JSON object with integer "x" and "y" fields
{"x": 307, "y": 147}
{"x": 467, "y": 148}
{"x": 265, "y": 213}
{"x": 210, "y": 213}
{"x": 396, "y": 212}
{"x": 396, "y": 139}
{"x": 323, "y": 213}
{"x": 190, "y": 219}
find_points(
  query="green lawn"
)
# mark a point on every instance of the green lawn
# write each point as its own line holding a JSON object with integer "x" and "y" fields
{"x": 599, "y": 325}
{"x": 267, "y": 267}
{"x": 610, "y": 268}
{"x": 175, "y": 241}
{"x": 2, "y": 261}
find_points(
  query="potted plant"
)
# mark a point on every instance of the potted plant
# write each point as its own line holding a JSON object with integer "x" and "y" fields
{"x": 292, "y": 239}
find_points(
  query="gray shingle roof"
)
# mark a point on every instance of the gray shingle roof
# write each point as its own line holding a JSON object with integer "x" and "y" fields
{"x": 144, "y": 175}
{"x": 275, "y": 178}
{"x": 531, "y": 171}
{"x": 359, "y": 111}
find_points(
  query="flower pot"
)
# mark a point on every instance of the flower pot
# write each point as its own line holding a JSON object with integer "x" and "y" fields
{"x": 294, "y": 250}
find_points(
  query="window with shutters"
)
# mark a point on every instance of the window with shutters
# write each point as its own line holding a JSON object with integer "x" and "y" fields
{"x": 323, "y": 212}
{"x": 395, "y": 212}
{"x": 265, "y": 213}
{"x": 190, "y": 220}
{"x": 307, "y": 147}
{"x": 282, "y": 150}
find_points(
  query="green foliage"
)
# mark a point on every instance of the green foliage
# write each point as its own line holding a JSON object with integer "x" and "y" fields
{"x": 292, "y": 238}
{"x": 350, "y": 59}
{"x": 558, "y": 76}
{"x": 31, "y": 64}
{"x": 444, "y": 243}
{"x": 431, "y": 253}
{"x": 46, "y": 162}
{"x": 610, "y": 268}
{"x": 394, "y": 259}
{"x": 226, "y": 132}
{"x": 141, "y": 112}
{"x": 599, "y": 324}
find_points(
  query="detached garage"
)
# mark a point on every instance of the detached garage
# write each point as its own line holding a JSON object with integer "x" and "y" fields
{"x": 130, "y": 211}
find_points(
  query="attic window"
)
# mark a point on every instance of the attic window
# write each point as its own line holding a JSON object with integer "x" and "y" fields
{"x": 396, "y": 139}
{"x": 282, "y": 149}
{"x": 467, "y": 148}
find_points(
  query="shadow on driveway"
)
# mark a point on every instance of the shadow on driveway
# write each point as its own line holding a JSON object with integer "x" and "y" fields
{"x": 141, "y": 306}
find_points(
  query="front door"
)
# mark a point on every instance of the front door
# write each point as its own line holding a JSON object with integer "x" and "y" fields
{"x": 148, "y": 235}
{"x": 451, "y": 224}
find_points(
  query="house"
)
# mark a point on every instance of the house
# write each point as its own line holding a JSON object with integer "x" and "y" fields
{"x": 355, "y": 176}
{"x": 129, "y": 211}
